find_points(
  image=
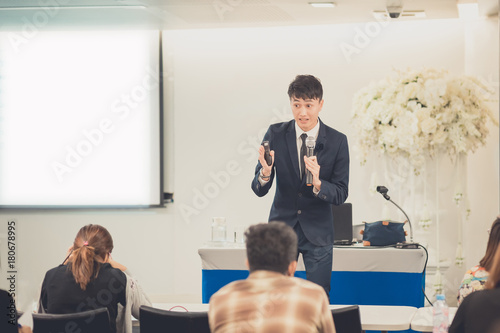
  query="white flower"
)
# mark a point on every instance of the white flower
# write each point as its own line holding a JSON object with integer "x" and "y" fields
{"x": 428, "y": 126}
{"x": 439, "y": 137}
{"x": 419, "y": 113}
{"x": 410, "y": 91}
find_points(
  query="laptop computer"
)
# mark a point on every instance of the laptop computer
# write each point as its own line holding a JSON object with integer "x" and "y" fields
{"x": 342, "y": 224}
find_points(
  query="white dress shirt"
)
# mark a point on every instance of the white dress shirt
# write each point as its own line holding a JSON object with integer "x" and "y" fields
{"x": 298, "y": 132}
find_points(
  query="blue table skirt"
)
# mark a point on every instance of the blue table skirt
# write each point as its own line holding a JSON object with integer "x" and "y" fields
{"x": 362, "y": 288}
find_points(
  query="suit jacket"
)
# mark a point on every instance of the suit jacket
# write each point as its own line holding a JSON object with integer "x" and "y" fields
{"x": 294, "y": 201}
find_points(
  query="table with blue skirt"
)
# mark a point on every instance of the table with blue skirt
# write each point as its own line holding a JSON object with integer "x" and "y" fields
{"x": 360, "y": 275}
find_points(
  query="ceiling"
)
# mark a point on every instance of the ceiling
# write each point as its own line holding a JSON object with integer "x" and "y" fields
{"x": 189, "y": 14}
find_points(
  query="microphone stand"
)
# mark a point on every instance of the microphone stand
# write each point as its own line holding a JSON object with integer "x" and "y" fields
{"x": 411, "y": 245}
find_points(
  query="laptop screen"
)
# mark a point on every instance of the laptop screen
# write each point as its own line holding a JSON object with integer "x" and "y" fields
{"x": 342, "y": 224}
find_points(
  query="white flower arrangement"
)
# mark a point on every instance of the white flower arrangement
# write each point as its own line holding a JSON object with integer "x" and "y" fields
{"x": 419, "y": 113}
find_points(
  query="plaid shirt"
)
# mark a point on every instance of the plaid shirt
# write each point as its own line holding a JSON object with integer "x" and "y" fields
{"x": 270, "y": 302}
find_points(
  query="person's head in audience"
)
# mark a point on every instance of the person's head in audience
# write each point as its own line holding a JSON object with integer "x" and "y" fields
{"x": 270, "y": 300}
{"x": 494, "y": 276}
{"x": 491, "y": 247}
{"x": 476, "y": 277}
{"x": 92, "y": 246}
{"x": 479, "y": 312}
{"x": 271, "y": 247}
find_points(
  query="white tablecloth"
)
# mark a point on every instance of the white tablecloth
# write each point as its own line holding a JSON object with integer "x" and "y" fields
{"x": 348, "y": 258}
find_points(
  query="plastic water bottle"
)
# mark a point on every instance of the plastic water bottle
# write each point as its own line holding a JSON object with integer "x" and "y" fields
{"x": 440, "y": 315}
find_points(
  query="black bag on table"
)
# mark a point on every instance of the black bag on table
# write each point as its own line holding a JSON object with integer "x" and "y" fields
{"x": 382, "y": 233}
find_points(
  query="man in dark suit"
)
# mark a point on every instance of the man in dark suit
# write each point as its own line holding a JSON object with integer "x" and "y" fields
{"x": 307, "y": 209}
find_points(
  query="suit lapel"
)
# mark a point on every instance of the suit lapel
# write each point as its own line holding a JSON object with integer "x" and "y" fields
{"x": 320, "y": 141}
{"x": 291, "y": 141}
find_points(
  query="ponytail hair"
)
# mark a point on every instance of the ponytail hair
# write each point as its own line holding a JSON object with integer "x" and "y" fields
{"x": 91, "y": 246}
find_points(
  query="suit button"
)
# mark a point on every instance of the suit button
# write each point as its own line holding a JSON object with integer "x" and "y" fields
{"x": 299, "y": 212}
{"x": 323, "y": 196}
{"x": 300, "y": 194}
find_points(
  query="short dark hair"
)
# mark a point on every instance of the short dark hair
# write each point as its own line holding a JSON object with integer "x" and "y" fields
{"x": 493, "y": 243}
{"x": 305, "y": 87}
{"x": 271, "y": 246}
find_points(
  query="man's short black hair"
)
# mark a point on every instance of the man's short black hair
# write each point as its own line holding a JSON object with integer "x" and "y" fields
{"x": 305, "y": 87}
{"x": 271, "y": 246}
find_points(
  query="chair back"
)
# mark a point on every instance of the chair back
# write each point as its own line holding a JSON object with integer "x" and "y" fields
{"x": 163, "y": 321}
{"x": 92, "y": 321}
{"x": 347, "y": 319}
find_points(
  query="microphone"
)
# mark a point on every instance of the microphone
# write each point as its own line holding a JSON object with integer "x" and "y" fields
{"x": 267, "y": 153}
{"x": 310, "y": 143}
{"x": 411, "y": 245}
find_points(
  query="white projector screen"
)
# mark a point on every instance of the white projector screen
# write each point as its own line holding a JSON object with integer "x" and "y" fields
{"x": 80, "y": 119}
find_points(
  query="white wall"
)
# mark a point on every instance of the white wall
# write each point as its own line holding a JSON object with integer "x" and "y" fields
{"x": 238, "y": 79}
{"x": 224, "y": 88}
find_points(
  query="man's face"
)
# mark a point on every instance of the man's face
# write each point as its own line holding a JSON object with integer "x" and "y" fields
{"x": 305, "y": 112}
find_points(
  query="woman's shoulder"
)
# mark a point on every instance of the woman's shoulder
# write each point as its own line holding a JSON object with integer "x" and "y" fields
{"x": 56, "y": 270}
{"x": 55, "y": 275}
{"x": 474, "y": 276}
{"x": 107, "y": 269}
{"x": 479, "y": 272}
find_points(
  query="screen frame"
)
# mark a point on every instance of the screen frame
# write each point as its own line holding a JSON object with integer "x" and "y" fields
{"x": 161, "y": 195}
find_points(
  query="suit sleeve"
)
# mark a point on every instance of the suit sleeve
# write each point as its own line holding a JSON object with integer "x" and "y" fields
{"x": 259, "y": 189}
{"x": 335, "y": 190}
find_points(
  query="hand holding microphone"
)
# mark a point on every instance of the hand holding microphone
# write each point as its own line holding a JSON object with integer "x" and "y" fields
{"x": 310, "y": 143}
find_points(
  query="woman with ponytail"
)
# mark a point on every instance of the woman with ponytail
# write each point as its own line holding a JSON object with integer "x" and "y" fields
{"x": 90, "y": 279}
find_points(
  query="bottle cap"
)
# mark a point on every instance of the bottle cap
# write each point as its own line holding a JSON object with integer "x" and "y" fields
{"x": 440, "y": 297}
